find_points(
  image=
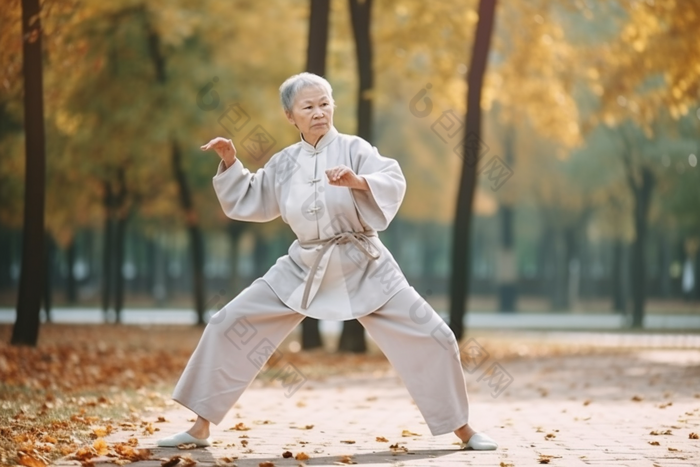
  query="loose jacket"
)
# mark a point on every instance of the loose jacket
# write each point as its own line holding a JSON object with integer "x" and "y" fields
{"x": 337, "y": 268}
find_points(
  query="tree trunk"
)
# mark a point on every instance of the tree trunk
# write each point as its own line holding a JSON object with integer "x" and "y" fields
{"x": 122, "y": 214}
{"x": 461, "y": 274}
{"x": 573, "y": 267}
{"x": 71, "y": 286}
{"x": 235, "y": 230}
{"x": 361, "y": 15}
{"x": 508, "y": 286}
{"x": 186, "y": 203}
{"x": 352, "y": 338}
{"x": 32, "y": 275}
{"x": 316, "y": 52}
{"x": 88, "y": 251}
{"x": 194, "y": 231}
{"x": 107, "y": 249}
{"x": 160, "y": 267}
{"x": 696, "y": 286}
{"x": 118, "y": 270}
{"x": 664, "y": 262}
{"x": 48, "y": 282}
{"x": 318, "y": 37}
{"x": 6, "y": 237}
{"x": 429, "y": 255}
{"x": 619, "y": 297}
{"x": 642, "y": 202}
{"x": 149, "y": 274}
{"x": 260, "y": 256}
{"x": 559, "y": 278}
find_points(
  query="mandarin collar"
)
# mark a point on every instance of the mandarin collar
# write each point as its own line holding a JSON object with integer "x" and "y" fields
{"x": 322, "y": 143}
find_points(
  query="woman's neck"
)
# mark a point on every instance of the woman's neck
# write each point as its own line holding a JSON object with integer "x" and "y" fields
{"x": 308, "y": 139}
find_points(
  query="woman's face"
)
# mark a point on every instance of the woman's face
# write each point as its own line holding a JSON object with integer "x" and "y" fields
{"x": 312, "y": 113}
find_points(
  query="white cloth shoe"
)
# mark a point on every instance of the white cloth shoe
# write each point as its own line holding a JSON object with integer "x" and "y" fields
{"x": 183, "y": 438}
{"x": 480, "y": 442}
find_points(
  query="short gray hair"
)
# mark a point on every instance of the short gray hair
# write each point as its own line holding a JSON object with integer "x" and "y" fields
{"x": 292, "y": 85}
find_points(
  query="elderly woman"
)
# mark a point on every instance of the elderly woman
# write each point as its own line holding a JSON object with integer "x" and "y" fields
{"x": 335, "y": 191}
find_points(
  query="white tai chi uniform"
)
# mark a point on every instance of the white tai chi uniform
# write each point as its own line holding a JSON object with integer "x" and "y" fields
{"x": 337, "y": 269}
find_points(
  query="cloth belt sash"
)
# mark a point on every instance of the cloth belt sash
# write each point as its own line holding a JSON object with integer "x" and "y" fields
{"x": 360, "y": 239}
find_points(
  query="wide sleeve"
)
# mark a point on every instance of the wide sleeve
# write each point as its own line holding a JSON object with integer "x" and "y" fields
{"x": 387, "y": 186}
{"x": 246, "y": 196}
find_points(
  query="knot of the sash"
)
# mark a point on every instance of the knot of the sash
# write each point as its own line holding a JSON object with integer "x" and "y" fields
{"x": 358, "y": 238}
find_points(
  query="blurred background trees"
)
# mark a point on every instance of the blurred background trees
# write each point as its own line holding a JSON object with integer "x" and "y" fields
{"x": 591, "y": 106}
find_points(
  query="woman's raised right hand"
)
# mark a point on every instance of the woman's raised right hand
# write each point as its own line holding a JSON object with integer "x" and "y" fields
{"x": 224, "y": 148}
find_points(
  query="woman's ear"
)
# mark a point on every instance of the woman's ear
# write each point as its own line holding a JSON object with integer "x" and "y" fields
{"x": 290, "y": 117}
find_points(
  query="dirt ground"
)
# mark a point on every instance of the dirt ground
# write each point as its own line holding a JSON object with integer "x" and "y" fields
{"x": 96, "y": 394}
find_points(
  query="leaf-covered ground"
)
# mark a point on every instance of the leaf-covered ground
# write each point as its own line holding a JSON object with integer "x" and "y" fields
{"x": 83, "y": 382}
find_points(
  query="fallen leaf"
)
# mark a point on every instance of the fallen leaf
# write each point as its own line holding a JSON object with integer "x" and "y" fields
{"x": 127, "y": 451}
{"x": 637, "y": 398}
{"x": 302, "y": 456}
{"x": 224, "y": 462}
{"x": 287, "y": 454}
{"x": 382, "y": 439}
{"x": 346, "y": 460}
{"x": 347, "y": 441}
{"x": 693, "y": 436}
{"x": 170, "y": 462}
{"x": 84, "y": 453}
{"x": 186, "y": 446}
{"x": 654, "y": 443}
{"x": 100, "y": 431}
{"x": 187, "y": 460}
{"x": 30, "y": 461}
{"x": 407, "y": 433}
{"x": 101, "y": 447}
{"x": 395, "y": 448}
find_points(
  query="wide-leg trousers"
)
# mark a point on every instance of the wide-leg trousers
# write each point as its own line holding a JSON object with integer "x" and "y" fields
{"x": 243, "y": 335}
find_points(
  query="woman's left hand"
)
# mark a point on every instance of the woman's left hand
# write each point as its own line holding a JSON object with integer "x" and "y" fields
{"x": 343, "y": 175}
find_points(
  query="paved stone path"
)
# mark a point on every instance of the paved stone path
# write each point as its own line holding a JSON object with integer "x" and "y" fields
{"x": 569, "y": 410}
{"x": 474, "y": 319}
